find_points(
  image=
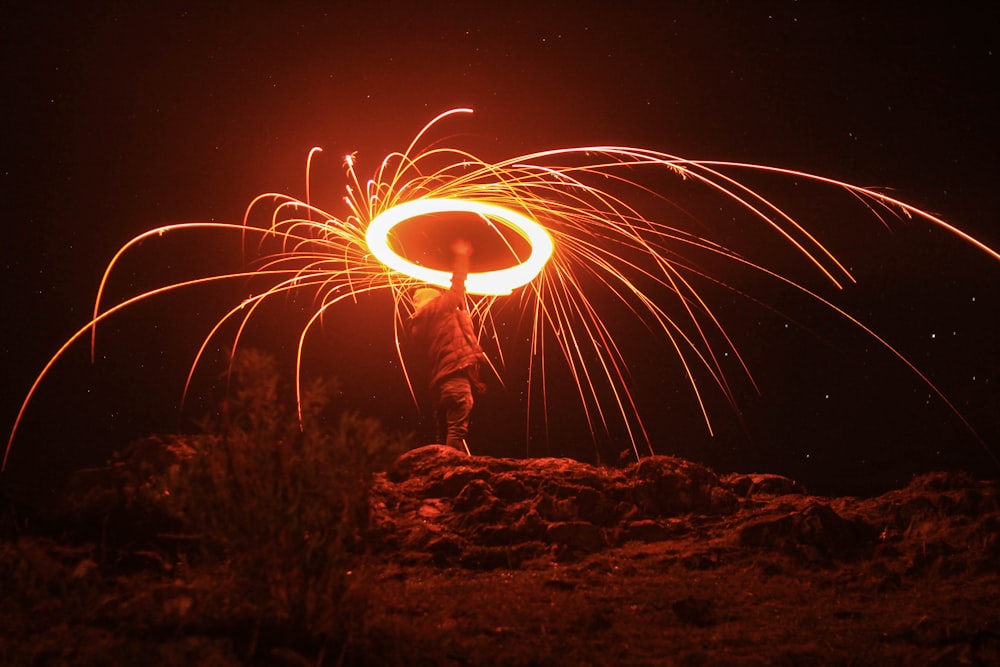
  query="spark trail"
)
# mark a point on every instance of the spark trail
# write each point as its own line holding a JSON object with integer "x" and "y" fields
{"x": 571, "y": 237}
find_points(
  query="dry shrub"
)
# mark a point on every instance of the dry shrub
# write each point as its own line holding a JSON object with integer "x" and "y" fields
{"x": 281, "y": 507}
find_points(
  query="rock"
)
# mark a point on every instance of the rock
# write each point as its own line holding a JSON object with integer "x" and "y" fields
{"x": 817, "y": 525}
{"x": 645, "y": 530}
{"x": 577, "y": 535}
{"x": 757, "y": 484}
{"x": 424, "y": 461}
{"x": 666, "y": 486}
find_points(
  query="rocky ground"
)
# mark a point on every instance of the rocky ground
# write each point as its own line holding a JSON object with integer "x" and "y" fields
{"x": 484, "y": 561}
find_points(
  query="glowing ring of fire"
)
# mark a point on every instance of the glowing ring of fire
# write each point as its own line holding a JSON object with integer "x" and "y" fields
{"x": 500, "y": 281}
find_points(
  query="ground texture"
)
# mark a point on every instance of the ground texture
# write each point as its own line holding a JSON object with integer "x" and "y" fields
{"x": 484, "y": 561}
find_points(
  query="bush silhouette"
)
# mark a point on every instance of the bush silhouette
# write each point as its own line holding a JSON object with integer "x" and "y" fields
{"x": 281, "y": 506}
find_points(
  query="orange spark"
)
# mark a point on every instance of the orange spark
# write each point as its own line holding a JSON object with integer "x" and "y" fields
{"x": 574, "y": 208}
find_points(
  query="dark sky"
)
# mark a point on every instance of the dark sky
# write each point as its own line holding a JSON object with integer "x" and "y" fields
{"x": 119, "y": 119}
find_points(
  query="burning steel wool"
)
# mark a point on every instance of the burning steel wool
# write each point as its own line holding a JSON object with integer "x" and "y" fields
{"x": 558, "y": 234}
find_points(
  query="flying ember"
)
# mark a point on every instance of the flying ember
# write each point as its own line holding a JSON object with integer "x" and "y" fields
{"x": 558, "y": 235}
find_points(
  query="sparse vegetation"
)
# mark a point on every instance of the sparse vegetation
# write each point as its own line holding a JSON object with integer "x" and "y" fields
{"x": 260, "y": 543}
{"x": 283, "y": 504}
{"x": 260, "y": 519}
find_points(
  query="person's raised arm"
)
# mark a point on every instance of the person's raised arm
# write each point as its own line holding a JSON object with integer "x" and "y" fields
{"x": 462, "y": 250}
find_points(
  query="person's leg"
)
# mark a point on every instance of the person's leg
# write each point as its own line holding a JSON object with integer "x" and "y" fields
{"x": 454, "y": 410}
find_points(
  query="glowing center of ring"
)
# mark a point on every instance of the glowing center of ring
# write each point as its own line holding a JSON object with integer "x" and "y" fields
{"x": 500, "y": 281}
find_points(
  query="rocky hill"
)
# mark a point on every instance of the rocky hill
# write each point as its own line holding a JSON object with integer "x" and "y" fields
{"x": 488, "y": 561}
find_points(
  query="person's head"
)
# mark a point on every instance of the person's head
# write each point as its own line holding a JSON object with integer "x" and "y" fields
{"x": 423, "y": 295}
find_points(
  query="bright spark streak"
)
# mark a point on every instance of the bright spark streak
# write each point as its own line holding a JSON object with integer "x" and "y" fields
{"x": 576, "y": 209}
{"x": 497, "y": 282}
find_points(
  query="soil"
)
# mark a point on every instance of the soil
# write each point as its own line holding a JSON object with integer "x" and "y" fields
{"x": 486, "y": 561}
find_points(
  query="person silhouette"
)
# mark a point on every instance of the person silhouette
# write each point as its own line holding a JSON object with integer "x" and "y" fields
{"x": 442, "y": 331}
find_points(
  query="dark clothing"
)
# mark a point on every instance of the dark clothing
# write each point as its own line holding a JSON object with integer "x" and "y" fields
{"x": 453, "y": 410}
{"x": 443, "y": 331}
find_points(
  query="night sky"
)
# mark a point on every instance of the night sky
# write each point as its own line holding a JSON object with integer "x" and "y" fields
{"x": 119, "y": 119}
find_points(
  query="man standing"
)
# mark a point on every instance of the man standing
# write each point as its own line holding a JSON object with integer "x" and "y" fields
{"x": 442, "y": 330}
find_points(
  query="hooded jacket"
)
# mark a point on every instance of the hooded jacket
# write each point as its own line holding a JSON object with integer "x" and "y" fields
{"x": 443, "y": 329}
